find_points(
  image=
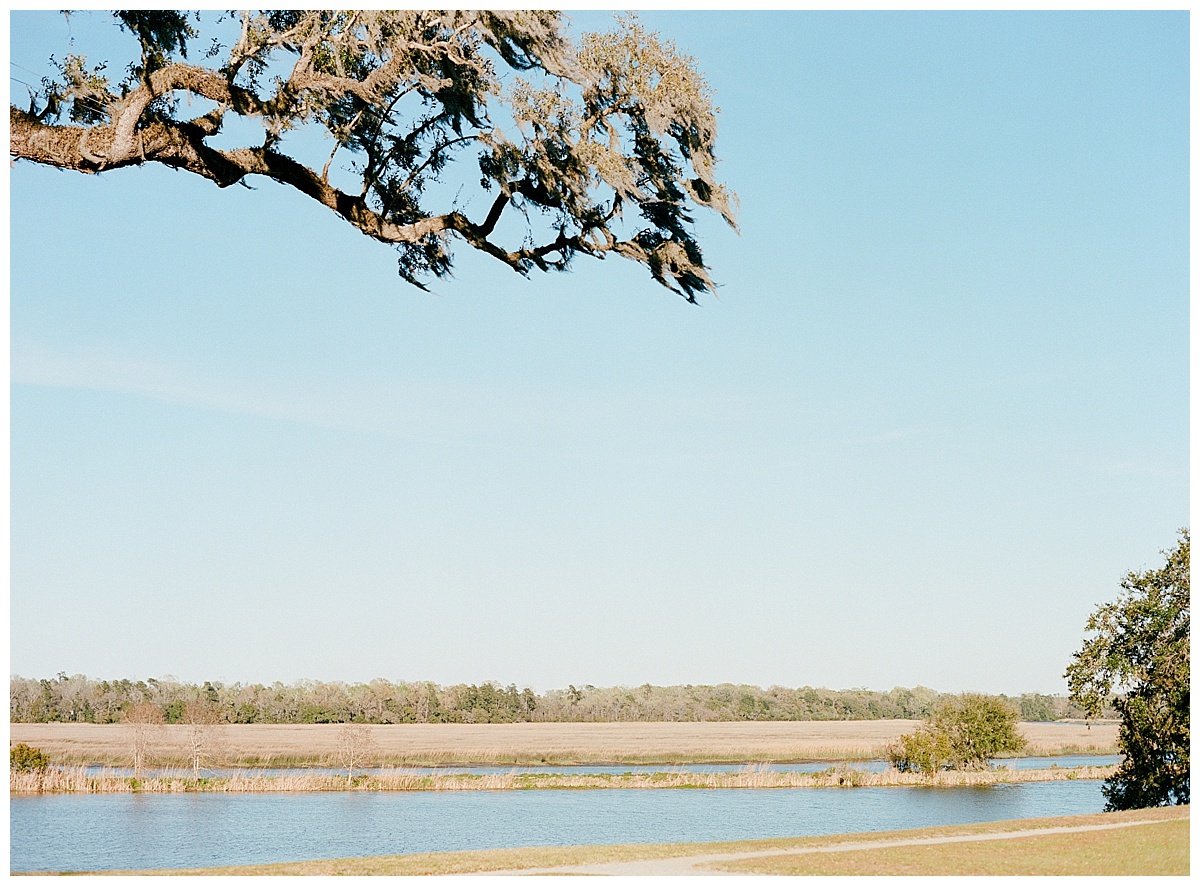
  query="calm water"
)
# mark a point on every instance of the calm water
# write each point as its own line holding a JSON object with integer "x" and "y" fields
{"x": 113, "y": 831}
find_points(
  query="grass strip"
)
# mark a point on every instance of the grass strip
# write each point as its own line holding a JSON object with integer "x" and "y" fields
{"x": 78, "y": 780}
{"x": 1160, "y": 848}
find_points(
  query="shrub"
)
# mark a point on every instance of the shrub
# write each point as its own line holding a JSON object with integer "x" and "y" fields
{"x": 962, "y": 732}
{"x": 921, "y": 751}
{"x": 23, "y": 758}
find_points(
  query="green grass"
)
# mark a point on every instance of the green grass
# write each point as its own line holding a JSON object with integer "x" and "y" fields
{"x": 1155, "y": 848}
{"x": 1161, "y": 848}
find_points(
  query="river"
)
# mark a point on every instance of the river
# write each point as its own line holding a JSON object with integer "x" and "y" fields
{"x": 96, "y": 832}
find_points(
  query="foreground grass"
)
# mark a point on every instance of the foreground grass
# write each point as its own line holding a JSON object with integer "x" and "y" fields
{"x": 1167, "y": 843}
{"x": 76, "y": 779}
{"x": 1159, "y": 849}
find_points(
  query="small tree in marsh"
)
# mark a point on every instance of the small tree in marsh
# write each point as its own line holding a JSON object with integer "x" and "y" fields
{"x": 145, "y": 721}
{"x": 963, "y": 732}
{"x": 23, "y": 758}
{"x": 201, "y": 722}
{"x": 1140, "y": 646}
{"x": 355, "y": 745}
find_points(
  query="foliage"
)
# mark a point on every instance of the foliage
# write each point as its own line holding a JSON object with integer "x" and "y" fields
{"x": 1139, "y": 647}
{"x": 962, "y": 732}
{"x": 489, "y": 128}
{"x": 1037, "y": 708}
{"x": 23, "y": 758}
{"x": 80, "y": 699}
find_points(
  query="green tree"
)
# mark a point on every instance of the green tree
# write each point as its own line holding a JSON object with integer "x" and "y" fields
{"x": 962, "y": 732}
{"x": 1139, "y": 648}
{"x": 488, "y": 128}
{"x": 23, "y": 758}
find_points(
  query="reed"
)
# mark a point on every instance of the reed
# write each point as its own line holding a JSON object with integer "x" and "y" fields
{"x": 75, "y": 779}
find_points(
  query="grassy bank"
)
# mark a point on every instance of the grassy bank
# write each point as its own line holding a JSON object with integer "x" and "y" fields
{"x": 533, "y": 743}
{"x": 1161, "y": 848}
{"x": 75, "y": 779}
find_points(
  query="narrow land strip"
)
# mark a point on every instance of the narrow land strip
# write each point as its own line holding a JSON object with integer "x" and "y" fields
{"x": 77, "y": 780}
{"x": 1162, "y": 849}
{"x": 717, "y": 863}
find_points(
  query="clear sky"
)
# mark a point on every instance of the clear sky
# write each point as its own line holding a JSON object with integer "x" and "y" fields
{"x": 938, "y": 409}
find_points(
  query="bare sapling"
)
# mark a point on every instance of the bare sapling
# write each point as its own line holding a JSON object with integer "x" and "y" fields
{"x": 355, "y": 745}
{"x": 145, "y": 721}
{"x": 201, "y": 722}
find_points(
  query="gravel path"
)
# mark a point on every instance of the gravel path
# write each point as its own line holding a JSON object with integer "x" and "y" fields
{"x": 694, "y": 865}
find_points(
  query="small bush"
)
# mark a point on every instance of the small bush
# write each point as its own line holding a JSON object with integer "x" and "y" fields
{"x": 23, "y": 758}
{"x": 922, "y": 751}
{"x": 963, "y": 732}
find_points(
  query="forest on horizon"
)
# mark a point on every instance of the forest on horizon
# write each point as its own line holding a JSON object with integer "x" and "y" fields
{"x": 79, "y": 699}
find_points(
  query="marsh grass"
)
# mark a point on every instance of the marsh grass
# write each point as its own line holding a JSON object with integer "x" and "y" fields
{"x": 75, "y": 779}
{"x": 522, "y": 744}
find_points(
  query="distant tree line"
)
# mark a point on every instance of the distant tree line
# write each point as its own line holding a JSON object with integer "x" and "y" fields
{"x": 79, "y": 699}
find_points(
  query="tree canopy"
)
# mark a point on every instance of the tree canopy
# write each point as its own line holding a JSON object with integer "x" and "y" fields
{"x": 488, "y": 128}
{"x": 962, "y": 732}
{"x": 1139, "y": 647}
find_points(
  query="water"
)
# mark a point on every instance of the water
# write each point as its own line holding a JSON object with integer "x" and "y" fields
{"x": 571, "y": 769}
{"x": 121, "y": 831}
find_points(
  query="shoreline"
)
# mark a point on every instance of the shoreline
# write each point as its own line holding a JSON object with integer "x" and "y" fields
{"x": 76, "y": 780}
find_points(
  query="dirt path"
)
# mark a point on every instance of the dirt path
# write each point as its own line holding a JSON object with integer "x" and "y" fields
{"x": 694, "y": 865}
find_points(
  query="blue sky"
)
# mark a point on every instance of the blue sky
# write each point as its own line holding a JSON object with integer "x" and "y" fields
{"x": 937, "y": 410}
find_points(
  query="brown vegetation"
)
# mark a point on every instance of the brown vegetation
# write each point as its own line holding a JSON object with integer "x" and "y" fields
{"x": 532, "y": 743}
{"x": 74, "y": 779}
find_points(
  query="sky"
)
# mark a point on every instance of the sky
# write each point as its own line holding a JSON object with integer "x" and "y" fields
{"x": 935, "y": 412}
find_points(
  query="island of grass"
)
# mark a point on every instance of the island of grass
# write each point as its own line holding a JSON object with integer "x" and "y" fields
{"x": 91, "y": 758}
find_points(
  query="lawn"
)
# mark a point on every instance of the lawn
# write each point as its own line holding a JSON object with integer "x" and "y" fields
{"x": 1161, "y": 848}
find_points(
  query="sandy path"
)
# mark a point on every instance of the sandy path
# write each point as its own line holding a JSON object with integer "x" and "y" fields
{"x": 693, "y": 865}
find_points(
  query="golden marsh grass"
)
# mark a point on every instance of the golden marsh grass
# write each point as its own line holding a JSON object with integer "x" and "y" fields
{"x": 532, "y": 743}
{"x": 76, "y": 780}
